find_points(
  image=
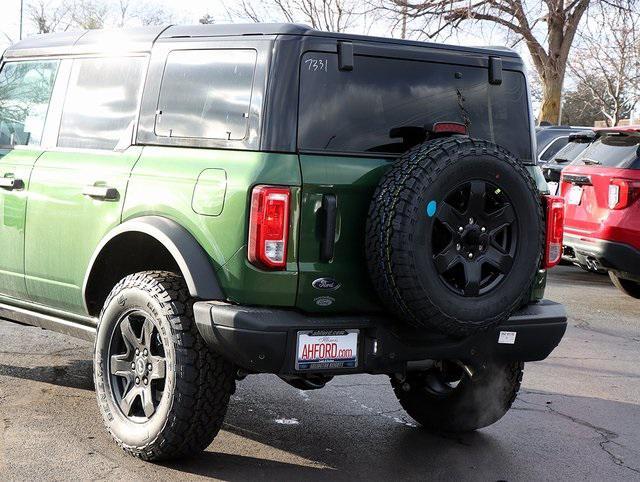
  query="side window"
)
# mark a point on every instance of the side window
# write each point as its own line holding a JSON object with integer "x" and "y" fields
{"x": 206, "y": 94}
{"x": 25, "y": 92}
{"x": 101, "y": 103}
{"x": 553, "y": 148}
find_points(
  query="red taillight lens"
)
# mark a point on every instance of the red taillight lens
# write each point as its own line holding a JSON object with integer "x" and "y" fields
{"x": 620, "y": 193}
{"x": 269, "y": 227}
{"x": 555, "y": 230}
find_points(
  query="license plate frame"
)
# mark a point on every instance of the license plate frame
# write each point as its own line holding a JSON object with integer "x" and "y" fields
{"x": 574, "y": 197}
{"x": 326, "y": 349}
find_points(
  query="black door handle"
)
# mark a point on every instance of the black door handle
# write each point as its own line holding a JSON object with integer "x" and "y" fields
{"x": 328, "y": 233}
{"x": 103, "y": 193}
{"x": 11, "y": 183}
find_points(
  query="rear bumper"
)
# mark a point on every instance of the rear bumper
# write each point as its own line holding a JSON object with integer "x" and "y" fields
{"x": 608, "y": 255}
{"x": 263, "y": 340}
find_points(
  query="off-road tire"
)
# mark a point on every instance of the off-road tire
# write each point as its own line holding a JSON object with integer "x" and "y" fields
{"x": 473, "y": 404}
{"x": 198, "y": 382}
{"x": 627, "y": 286}
{"x": 405, "y": 280}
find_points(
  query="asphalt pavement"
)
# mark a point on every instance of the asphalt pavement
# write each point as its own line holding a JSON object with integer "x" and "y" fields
{"x": 576, "y": 418}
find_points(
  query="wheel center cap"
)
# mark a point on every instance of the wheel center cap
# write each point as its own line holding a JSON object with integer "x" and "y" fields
{"x": 141, "y": 366}
{"x": 471, "y": 236}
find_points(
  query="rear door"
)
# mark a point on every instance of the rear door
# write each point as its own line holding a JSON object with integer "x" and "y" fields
{"x": 78, "y": 187}
{"x": 352, "y": 124}
{"x": 25, "y": 93}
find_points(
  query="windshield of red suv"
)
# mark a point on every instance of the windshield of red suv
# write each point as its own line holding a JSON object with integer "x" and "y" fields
{"x": 615, "y": 149}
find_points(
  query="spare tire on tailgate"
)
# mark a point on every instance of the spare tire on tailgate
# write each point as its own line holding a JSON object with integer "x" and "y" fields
{"x": 455, "y": 235}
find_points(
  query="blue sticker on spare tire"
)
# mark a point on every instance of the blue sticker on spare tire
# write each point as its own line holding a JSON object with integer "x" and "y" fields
{"x": 431, "y": 208}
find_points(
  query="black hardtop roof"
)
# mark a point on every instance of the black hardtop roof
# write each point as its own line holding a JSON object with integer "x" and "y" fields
{"x": 141, "y": 39}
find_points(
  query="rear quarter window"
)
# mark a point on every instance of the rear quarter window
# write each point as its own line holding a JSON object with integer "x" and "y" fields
{"x": 381, "y": 104}
{"x": 206, "y": 94}
{"x": 620, "y": 150}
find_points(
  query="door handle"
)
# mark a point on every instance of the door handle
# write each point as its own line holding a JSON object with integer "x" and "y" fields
{"x": 328, "y": 236}
{"x": 11, "y": 183}
{"x": 103, "y": 193}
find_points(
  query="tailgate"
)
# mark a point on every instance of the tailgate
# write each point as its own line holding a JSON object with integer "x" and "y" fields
{"x": 338, "y": 283}
{"x": 586, "y": 191}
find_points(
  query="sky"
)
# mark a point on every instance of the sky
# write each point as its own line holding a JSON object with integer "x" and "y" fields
{"x": 189, "y": 11}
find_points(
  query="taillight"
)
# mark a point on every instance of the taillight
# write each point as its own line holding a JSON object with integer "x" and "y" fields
{"x": 555, "y": 229}
{"x": 619, "y": 194}
{"x": 269, "y": 226}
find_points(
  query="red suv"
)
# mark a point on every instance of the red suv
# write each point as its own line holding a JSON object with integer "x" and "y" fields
{"x": 602, "y": 215}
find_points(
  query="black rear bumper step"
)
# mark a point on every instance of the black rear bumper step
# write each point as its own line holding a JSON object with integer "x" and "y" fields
{"x": 263, "y": 340}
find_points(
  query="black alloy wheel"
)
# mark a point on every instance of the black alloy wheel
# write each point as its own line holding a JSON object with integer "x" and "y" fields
{"x": 474, "y": 240}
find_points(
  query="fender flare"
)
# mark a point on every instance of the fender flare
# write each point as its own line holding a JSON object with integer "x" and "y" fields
{"x": 193, "y": 261}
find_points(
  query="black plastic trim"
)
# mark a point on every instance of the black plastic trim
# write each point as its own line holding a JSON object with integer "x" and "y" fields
{"x": 263, "y": 339}
{"x": 328, "y": 238}
{"x": 609, "y": 254}
{"x": 193, "y": 261}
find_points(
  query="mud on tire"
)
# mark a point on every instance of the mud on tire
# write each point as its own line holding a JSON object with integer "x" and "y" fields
{"x": 455, "y": 236}
{"x": 183, "y": 387}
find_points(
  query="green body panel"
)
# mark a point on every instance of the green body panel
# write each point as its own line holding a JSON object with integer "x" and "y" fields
{"x": 16, "y": 163}
{"x": 209, "y": 193}
{"x": 163, "y": 183}
{"x": 205, "y": 191}
{"x": 65, "y": 226}
{"x": 353, "y": 181}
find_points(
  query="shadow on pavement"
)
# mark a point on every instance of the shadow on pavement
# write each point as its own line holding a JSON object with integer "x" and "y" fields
{"x": 77, "y": 374}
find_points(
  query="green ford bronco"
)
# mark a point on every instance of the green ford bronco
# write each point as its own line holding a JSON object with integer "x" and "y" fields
{"x": 214, "y": 201}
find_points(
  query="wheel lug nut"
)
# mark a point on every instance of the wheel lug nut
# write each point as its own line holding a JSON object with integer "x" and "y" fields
{"x": 457, "y": 247}
{"x": 149, "y": 367}
{"x": 133, "y": 366}
{"x": 137, "y": 380}
{"x": 483, "y": 229}
{"x": 146, "y": 381}
{"x": 137, "y": 351}
{"x": 460, "y": 229}
{"x": 470, "y": 220}
{"x": 145, "y": 352}
{"x": 470, "y": 255}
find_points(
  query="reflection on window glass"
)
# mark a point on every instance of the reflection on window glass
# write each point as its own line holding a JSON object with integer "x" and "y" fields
{"x": 25, "y": 91}
{"x": 384, "y": 105}
{"x": 206, "y": 94}
{"x": 101, "y": 102}
{"x": 554, "y": 147}
{"x": 613, "y": 150}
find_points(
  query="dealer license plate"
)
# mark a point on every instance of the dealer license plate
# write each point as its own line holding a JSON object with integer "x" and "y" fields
{"x": 327, "y": 349}
{"x": 575, "y": 195}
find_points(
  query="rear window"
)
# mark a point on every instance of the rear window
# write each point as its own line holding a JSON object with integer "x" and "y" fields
{"x": 553, "y": 148}
{"x": 383, "y": 105}
{"x": 613, "y": 150}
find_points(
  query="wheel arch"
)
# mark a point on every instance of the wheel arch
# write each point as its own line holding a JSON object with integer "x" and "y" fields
{"x": 148, "y": 242}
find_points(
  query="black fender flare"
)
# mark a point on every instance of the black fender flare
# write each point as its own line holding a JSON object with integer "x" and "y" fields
{"x": 193, "y": 261}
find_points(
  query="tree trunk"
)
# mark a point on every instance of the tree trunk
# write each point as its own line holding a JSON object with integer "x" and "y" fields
{"x": 551, "y": 98}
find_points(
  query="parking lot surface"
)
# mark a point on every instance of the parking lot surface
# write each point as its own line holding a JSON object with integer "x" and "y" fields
{"x": 577, "y": 415}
